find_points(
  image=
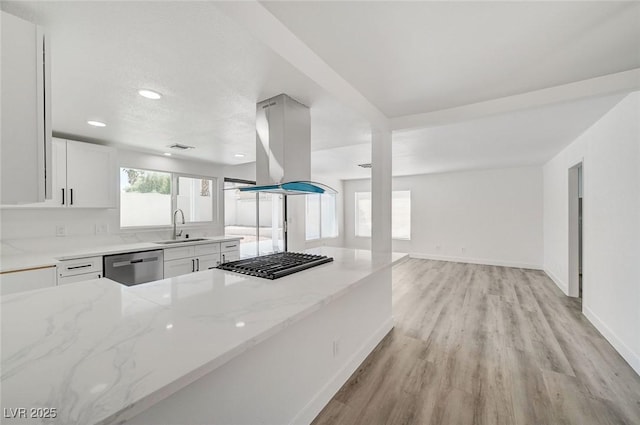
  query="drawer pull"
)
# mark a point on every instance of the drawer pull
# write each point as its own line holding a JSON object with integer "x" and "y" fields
{"x": 79, "y": 267}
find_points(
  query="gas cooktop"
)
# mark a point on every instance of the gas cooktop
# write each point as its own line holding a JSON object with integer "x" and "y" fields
{"x": 277, "y": 265}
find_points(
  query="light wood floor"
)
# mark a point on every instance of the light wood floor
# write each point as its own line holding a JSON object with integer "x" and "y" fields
{"x": 488, "y": 345}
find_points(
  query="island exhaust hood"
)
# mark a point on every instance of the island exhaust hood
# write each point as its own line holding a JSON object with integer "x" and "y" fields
{"x": 283, "y": 149}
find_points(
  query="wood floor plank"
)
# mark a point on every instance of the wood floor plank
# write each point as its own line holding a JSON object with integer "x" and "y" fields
{"x": 476, "y": 344}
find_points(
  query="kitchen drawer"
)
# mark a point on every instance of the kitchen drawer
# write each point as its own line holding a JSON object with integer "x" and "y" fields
{"x": 207, "y": 249}
{"x": 230, "y": 246}
{"x": 179, "y": 252}
{"x": 79, "y": 278}
{"x": 80, "y": 266}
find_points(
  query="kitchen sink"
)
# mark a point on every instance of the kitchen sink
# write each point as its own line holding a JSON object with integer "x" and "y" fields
{"x": 180, "y": 241}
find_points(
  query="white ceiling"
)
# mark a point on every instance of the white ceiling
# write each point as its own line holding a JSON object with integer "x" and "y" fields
{"x": 415, "y": 57}
{"x": 520, "y": 138}
{"x": 404, "y": 57}
{"x": 210, "y": 71}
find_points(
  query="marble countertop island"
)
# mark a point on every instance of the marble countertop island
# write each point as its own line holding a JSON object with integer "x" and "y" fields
{"x": 99, "y": 352}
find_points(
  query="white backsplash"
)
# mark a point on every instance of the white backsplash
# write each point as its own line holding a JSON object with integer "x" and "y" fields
{"x": 34, "y": 230}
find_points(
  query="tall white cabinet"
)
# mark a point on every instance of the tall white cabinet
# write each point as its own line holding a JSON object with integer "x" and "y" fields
{"x": 25, "y": 129}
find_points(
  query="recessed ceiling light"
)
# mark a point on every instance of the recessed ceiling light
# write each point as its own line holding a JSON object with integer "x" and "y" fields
{"x": 239, "y": 155}
{"x": 167, "y": 154}
{"x": 149, "y": 94}
{"x": 240, "y": 324}
{"x": 96, "y": 123}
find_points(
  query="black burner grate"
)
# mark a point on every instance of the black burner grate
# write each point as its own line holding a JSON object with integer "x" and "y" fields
{"x": 277, "y": 265}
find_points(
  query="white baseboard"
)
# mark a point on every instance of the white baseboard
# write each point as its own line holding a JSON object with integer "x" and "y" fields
{"x": 470, "y": 260}
{"x": 326, "y": 393}
{"x": 627, "y": 353}
{"x": 559, "y": 283}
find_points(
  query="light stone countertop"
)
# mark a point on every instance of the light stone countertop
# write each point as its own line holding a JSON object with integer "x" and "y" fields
{"x": 100, "y": 352}
{"x": 25, "y": 261}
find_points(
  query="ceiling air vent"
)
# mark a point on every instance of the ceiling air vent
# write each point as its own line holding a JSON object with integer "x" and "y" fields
{"x": 367, "y": 165}
{"x": 180, "y": 147}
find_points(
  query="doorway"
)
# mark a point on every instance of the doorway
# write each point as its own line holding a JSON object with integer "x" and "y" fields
{"x": 576, "y": 214}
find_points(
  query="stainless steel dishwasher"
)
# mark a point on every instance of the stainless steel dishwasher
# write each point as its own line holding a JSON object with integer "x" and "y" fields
{"x": 134, "y": 268}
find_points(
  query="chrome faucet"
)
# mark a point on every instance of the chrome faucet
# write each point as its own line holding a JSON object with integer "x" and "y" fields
{"x": 175, "y": 234}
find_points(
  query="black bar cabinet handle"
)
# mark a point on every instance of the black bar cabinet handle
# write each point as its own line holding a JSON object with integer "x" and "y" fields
{"x": 71, "y": 195}
{"x": 63, "y": 196}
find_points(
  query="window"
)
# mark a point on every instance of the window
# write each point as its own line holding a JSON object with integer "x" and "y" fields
{"x": 363, "y": 214}
{"x": 321, "y": 216}
{"x": 256, "y": 217}
{"x": 195, "y": 198}
{"x": 148, "y": 198}
{"x": 145, "y": 198}
{"x": 400, "y": 214}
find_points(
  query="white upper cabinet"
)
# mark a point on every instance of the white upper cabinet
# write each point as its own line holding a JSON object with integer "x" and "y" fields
{"x": 58, "y": 174}
{"x": 25, "y": 136}
{"x": 91, "y": 175}
{"x": 84, "y": 176}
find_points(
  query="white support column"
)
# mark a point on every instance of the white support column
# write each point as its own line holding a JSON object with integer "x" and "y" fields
{"x": 381, "y": 190}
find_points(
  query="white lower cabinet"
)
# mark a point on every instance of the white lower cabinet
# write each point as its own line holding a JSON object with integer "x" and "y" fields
{"x": 194, "y": 258}
{"x": 207, "y": 262}
{"x": 27, "y": 280}
{"x": 190, "y": 259}
{"x": 79, "y": 270}
{"x": 229, "y": 251}
{"x": 228, "y": 256}
{"x": 173, "y": 268}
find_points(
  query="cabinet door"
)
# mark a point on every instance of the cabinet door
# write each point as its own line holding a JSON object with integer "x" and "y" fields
{"x": 25, "y": 137}
{"x": 179, "y": 267}
{"x": 91, "y": 175}
{"x": 59, "y": 174}
{"x": 230, "y": 256}
{"x": 28, "y": 280}
{"x": 206, "y": 262}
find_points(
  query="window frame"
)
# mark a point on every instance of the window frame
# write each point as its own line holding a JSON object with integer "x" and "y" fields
{"x": 174, "y": 200}
{"x": 335, "y": 211}
{"x": 214, "y": 196}
{"x": 355, "y": 215}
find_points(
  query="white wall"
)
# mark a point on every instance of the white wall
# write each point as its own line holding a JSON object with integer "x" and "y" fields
{"x": 611, "y": 224}
{"x": 21, "y": 223}
{"x": 486, "y": 216}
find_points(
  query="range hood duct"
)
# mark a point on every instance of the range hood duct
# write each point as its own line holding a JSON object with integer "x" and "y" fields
{"x": 283, "y": 149}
